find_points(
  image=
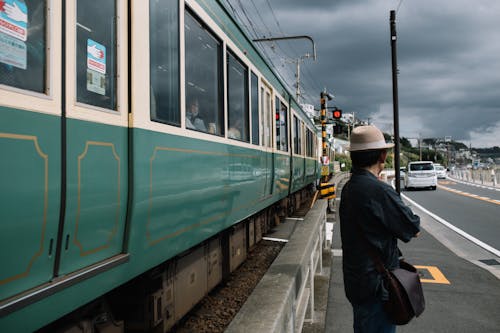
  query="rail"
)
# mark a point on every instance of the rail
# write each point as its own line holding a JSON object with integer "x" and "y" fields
{"x": 280, "y": 301}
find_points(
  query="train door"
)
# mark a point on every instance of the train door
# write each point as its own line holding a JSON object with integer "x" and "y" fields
{"x": 30, "y": 144}
{"x": 267, "y": 135}
{"x": 299, "y": 150}
{"x": 96, "y": 133}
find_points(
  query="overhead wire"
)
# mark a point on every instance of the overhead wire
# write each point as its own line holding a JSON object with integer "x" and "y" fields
{"x": 308, "y": 75}
{"x": 280, "y": 62}
{"x": 399, "y": 5}
{"x": 249, "y": 31}
{"x": 261, "y": 19}
{"x": 285, "y": 75}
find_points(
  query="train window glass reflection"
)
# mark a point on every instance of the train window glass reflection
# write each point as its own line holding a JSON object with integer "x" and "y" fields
{"x": 296, "y": 135}
{"x": 204, "y": 107}
{"x": 164, "y": 61}
{"x": 237, "y": 98}
{"x": 309, "y": 143}
{"x": 300, "y": 131}
{"x": 255, "y": 108}
{"x": 266, "y": 107}
{"x": 281, "y": 126}
{"x": 96, "y": 53}
{"x": 23, "y": 44}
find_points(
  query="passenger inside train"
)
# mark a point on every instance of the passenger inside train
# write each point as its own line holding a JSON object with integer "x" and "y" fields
{"x": 193, "y": 120}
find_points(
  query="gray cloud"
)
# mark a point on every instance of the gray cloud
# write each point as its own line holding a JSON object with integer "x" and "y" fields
{"x": 448, "y": 59}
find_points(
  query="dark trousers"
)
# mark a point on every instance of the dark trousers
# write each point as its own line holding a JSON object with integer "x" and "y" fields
{"x": 370, "y": 317}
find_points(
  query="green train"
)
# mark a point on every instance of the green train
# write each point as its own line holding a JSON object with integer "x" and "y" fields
{"x": 145, "y": 147}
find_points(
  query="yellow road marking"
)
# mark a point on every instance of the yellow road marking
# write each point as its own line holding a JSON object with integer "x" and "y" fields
{"x": 437, "y": 276}
{"x": 465, "y": 194}
{"x": 446, "y": 182}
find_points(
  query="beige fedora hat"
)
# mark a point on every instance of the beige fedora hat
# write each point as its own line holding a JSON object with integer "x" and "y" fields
{"x": 367, "y": 138}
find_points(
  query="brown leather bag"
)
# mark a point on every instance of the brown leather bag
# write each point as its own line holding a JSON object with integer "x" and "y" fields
{"x": 406, "y": 297}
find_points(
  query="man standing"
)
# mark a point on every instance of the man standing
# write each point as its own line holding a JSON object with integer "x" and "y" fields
{"x": 371, "y": 211}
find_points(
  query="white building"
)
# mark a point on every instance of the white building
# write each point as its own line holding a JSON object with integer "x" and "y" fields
{"x": 309, "y": 109}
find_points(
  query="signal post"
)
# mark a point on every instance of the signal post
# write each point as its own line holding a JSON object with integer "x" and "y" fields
{"x": 327, "y": 190}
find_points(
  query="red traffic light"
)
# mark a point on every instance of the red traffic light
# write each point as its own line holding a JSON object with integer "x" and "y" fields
{"x": 337, "y": 114}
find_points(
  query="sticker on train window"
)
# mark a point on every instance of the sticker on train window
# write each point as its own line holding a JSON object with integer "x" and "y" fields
{"x": 96, "y": 56}
{"x": 14, "y": 18}
{"x": 13, "y": 52}
{"x": 96, "y": 82}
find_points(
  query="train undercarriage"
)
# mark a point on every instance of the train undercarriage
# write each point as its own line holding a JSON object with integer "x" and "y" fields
{"x": 159, "y": 298}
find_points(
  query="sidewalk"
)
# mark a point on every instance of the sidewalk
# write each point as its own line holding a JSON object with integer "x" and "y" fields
{"x": 465, "y": 297}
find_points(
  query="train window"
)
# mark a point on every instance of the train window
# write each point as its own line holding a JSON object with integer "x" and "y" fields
{"x": 164, "y": 61}
{"x": 314, "y": 146}
{"x": 204, "y": 89}
{"x": 23, "y": 44}
{"x": 296, "y": 136}
{"x": 255, "y": 109}
{"x": 237, "y": 98}
{"x": 281, "y": 126}
{"x": 309, "y": 143}
{"x": 96, "y": 53}
{"x": 267, "y": 111}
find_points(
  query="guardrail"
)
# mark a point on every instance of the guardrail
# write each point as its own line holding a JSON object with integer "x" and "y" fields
{"x": 279, "y": 302}
{"x": 483, "y": 177}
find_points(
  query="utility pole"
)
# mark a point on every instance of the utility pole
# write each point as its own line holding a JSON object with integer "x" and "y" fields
{"x": 349, "y": 127}
{"x": 395, "y": 99}
{"x": 420, "y": 145}
{"x": 297, "y": 62}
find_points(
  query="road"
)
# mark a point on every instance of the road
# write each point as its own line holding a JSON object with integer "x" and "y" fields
{"x": 474, "y": 210}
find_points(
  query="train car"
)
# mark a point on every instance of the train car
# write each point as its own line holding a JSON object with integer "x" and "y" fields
{"x": 146, "y": 145}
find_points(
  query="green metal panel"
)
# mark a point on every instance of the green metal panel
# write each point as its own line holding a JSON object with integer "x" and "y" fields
{"x": 298, "y": 175}
{"x": 29, "y": 198}
{"x": 96, "y": 194}
{"x": 312, "y": 170}
{"x": 186, "y": 190}
{"x": 281, "y": 175}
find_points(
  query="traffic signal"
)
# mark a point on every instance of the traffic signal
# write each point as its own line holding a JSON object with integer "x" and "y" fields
{"x": 337, "y": 129}
{"x": 337, "y": 114}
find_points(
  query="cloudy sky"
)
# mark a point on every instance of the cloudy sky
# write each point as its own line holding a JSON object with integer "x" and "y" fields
{"x": 448, "y": 58}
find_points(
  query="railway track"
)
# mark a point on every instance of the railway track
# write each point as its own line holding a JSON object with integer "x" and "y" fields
{"x": 214, "y": 313}
{"x": 217, "y": 309}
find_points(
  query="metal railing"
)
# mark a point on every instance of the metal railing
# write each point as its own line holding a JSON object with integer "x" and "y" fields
{"x": 478, "y": 176}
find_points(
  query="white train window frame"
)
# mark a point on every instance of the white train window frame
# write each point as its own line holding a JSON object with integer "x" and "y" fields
{"x": 48, "y": 102}
{"x": 88, "y": 112}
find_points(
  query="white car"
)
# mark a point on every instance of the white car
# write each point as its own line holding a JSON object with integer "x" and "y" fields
{"x": 440, "y": 171}
{"x": 420, "y": 174}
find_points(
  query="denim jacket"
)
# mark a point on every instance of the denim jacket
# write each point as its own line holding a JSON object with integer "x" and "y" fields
{"x": 374, "y": 208}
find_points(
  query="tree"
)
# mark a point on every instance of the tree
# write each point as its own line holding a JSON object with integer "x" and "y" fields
{"x": 405, "y": 142}
{"x": 343, "y": 158}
